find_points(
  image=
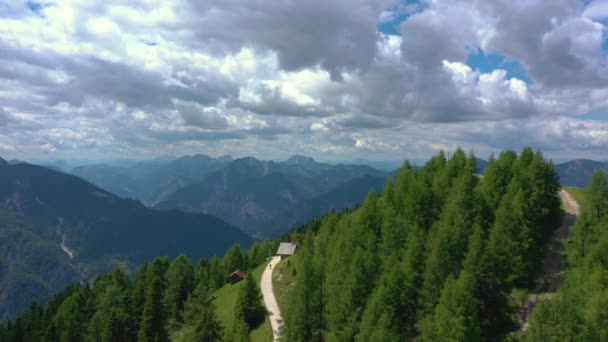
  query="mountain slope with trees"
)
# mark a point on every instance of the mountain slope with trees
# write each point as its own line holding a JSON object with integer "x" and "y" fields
{"x": 58, "y": 229}
{"x": 578, "y": 311}
{"x": 436, "y": 256}
{"x": 164, "y": 299}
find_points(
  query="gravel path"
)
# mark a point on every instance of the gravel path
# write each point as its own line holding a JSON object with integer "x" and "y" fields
{"x": 553, "y": 261}
{"x": 272, "y": 308}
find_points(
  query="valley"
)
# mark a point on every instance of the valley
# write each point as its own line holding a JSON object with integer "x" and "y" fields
{"x": 89, "y": 231}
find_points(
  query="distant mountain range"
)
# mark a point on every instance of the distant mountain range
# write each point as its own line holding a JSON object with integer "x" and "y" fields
{"x": 56, "y": 228}
{"x": 578, "y": 172}
{"x": 267, "y": 198}
{"x": 151, "y": 181}
{"x": 264, "y": 198}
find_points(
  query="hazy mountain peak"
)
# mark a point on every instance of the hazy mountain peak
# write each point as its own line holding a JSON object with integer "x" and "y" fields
{"x": 301, "y": 160}
{"x": 3, "y": 162}
{"x": 225, "y": 157}
{"x": 198, "y": 156}
{"x": 247, "y": 160}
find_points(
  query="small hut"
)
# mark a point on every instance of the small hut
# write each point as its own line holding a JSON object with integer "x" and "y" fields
{"x": 286, "y": 249}
{"x": 236, "y": 276}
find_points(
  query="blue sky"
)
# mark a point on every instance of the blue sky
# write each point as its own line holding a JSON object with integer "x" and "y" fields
{"x": 333, "y": 79}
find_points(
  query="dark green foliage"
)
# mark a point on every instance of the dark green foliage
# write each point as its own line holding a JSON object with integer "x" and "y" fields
{"x": 306, "y": 316}
{"x": 234, "y": 259}
{"x": 259, "y": 252}
{"x": 163, "y": 298}
{"x": 200, "y": 314}
{"x": 249, "y": 305}
{"x": 455, "y": 317}
{"x": 597, "y": 194}
{"x": 211, "y": 272}
{"x": 432, "y": 257}
{"x": 180, "y": 283}
{"x": 152, "y": 326}
{"x": 103, "y": 231}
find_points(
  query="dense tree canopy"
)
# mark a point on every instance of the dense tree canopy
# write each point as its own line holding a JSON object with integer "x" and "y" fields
{"x": 434, "y": 256}
{"x": 162, "y": 298}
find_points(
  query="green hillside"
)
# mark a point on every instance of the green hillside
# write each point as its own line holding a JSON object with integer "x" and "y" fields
{"x": 435, "y": 256}
{"x": 43, "y": 212}
{"x": 167, "y": 300}
{"x": 440, "y": 254}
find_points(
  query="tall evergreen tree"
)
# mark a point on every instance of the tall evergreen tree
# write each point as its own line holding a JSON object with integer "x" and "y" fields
{"x": 234, "y": 259}
{"x": 249, "y": 305}
{"x": 455, "y": 318}
{"x": 153, "y": 324}
{"x": 180, "y": 283}
{"x": 200, "y": 314}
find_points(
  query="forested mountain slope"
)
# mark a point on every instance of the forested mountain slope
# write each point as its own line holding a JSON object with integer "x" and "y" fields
{"x": 166, "y": 300}
{"x": 579, "y": 309}
{"x": 347, "y": 195}
{"x": 436, "y": 256}
{"x": 58, "y": 228}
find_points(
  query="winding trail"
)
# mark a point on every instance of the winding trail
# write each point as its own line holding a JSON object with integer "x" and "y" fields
{"x": 272, "y": 308}
{"x": 553, "y": 261}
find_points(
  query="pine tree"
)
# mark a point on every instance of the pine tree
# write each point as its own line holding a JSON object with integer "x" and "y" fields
{"x": 305, "y": 306}
{"x": 455, "y": 318}
{"x": 597, "y": 193}
{"x": 70, "y": 321}
{"x": 180, "y": 283}
{"x": 200, "y": 313}
{"x": 138, "y": 299}
{"x": 249, "y": 303}
{"x": 234, "y": 259}
{"x": 111, "y": 321}
{"x": 153, "y": 325}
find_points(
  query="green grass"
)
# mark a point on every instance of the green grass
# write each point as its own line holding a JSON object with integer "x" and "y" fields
{"x": 225, "y": 301}
{"x": 579, "y": 194}
{"x": 283, "y": 279}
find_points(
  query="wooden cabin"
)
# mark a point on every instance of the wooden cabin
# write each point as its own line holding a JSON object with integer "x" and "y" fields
{"x": 236, "y": 276}
{"x": 286, "y": 249}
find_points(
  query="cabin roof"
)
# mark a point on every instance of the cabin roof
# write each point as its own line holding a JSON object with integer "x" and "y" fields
{"x": 287, "y": 248}
{"x": 238, "y": 272}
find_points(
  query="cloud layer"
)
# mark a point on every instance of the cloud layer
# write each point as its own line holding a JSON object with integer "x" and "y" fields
{"x": 144, "y": 78}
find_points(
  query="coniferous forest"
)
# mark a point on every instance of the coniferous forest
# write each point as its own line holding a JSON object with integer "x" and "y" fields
{"x": 163, "y": 298}
{"x": 434, "y": 257}
{"x": 439, "y": 254}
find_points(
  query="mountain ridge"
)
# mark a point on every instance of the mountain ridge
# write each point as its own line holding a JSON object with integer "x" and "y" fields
{"x": 54, "y": 213}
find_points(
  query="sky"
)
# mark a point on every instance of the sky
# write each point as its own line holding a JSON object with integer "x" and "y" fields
{"x": 331, "y": 79}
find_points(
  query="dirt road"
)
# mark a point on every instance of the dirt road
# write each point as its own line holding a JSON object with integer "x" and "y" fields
{"x": 272, "y": 308}
{"x": 553, "y": 261}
